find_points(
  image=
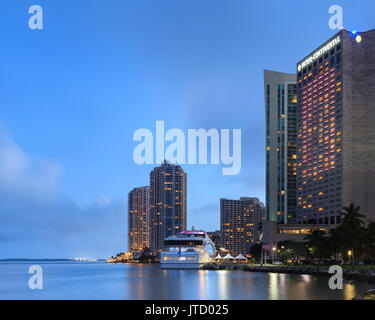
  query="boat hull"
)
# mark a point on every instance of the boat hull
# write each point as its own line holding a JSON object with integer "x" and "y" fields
{"x": 196, "y": 260}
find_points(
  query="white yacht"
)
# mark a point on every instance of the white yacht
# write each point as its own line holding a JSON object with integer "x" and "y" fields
{"x": 187, "y": 250}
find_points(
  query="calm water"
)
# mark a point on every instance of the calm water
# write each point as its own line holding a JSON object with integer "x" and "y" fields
{"x": 96, "y": 280}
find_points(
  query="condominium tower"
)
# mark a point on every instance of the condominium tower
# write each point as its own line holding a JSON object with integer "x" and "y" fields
{"x": 139, "y": 219}
{"x": 168, "y": 198}
{"x": 240, "y": 224}
{"x": 281, "y": 102}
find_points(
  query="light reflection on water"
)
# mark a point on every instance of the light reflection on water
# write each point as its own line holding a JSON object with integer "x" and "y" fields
{"x": 79, "y": 280}
{"x": 273, "y": 286}
{"x": 306, "y": 287}
{"x": 350, "y": 291}
{"x": 203, "y": 284}
{"x": 222, "y": 284}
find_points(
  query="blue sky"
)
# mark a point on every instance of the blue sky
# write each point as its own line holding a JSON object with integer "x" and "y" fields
{"x": 73, "y": 94}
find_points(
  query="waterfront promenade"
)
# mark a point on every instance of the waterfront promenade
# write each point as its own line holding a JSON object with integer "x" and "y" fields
{"x": 360, "y": 273}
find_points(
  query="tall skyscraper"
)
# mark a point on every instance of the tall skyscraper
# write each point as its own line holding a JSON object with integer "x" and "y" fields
{"x": 168, "y": 198}
{"x": 240, "y": 224}
{"x": 336, "y": 128}
{"x": 280, "y": 91}
{"x": 139, "y": 219}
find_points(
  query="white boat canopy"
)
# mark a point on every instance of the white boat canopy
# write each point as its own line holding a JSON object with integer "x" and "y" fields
{"x": 218, "y": 257}
{"x": 228, "y": 257}
{"x": 240, "y": 257}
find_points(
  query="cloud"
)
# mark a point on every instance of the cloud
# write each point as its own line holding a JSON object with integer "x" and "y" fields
{"x": 38, "y": 221}
{"x": 22, "y": 174}
{"x": 102, "y": 201}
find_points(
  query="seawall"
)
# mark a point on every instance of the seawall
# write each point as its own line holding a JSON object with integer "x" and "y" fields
{"x": 349, "y": 274}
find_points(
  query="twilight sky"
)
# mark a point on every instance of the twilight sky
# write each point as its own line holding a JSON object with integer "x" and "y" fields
{"x": 73, "y": 94}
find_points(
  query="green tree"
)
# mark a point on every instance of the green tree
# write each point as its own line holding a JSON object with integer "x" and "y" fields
{"x": 256, "y": 251}
{"x": 351, "y": 232}
{"x": 286, "y": 255}
{"x": 146, "y": 255}
{"x": 317, "y": 244}
{"x": 335, "y": 241}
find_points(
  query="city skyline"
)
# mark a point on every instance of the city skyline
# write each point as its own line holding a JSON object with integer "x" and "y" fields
{"x": 77, "y": 94}
{"x": 158, "y": 211}
{"x": 310, "y": 105}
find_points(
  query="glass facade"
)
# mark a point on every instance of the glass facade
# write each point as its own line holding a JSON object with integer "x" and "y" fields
{"x": 281, "y": 159}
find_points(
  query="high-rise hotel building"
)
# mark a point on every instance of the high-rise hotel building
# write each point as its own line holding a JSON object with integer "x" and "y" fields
{"x": 240, "y": 224}
{"x": 139, "y": 219}
{"x": 281, "y": 127}
{"x": 336, "y": 128}
{"x": 168, "y": 199}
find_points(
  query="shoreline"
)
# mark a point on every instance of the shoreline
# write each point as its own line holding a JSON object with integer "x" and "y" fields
{"x": 348, "y": 274}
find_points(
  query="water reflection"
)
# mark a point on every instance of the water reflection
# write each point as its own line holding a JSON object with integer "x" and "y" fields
{"x": 203, "y": 284}
{"x": 273, "y": 286}
{"x": 349, "y": 291}
{"x": 131, "y": 281}
{"x": 306, "y": 278}
{"x": 308, "y": 287}
{"x": 222, "y": 277}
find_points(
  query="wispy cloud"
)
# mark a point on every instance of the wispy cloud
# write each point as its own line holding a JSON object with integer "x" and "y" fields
{"x": 37, "y": 220}
{"x": 22, "y": 174}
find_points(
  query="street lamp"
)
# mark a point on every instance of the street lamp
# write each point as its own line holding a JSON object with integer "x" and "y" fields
{"x": 349, "y": 254}
{"x": 273, "y": 255}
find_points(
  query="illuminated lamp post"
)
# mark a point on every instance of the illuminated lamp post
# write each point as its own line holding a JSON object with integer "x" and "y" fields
{"x": 349, "y": 255}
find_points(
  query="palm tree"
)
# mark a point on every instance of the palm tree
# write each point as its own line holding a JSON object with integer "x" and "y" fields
{"x": 351, "y": 229}
{"x": 337, "y": 241}
{"x": 352, "y": 216}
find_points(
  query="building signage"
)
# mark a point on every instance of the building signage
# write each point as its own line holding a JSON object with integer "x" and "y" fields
{"x": 317, "y": 54}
